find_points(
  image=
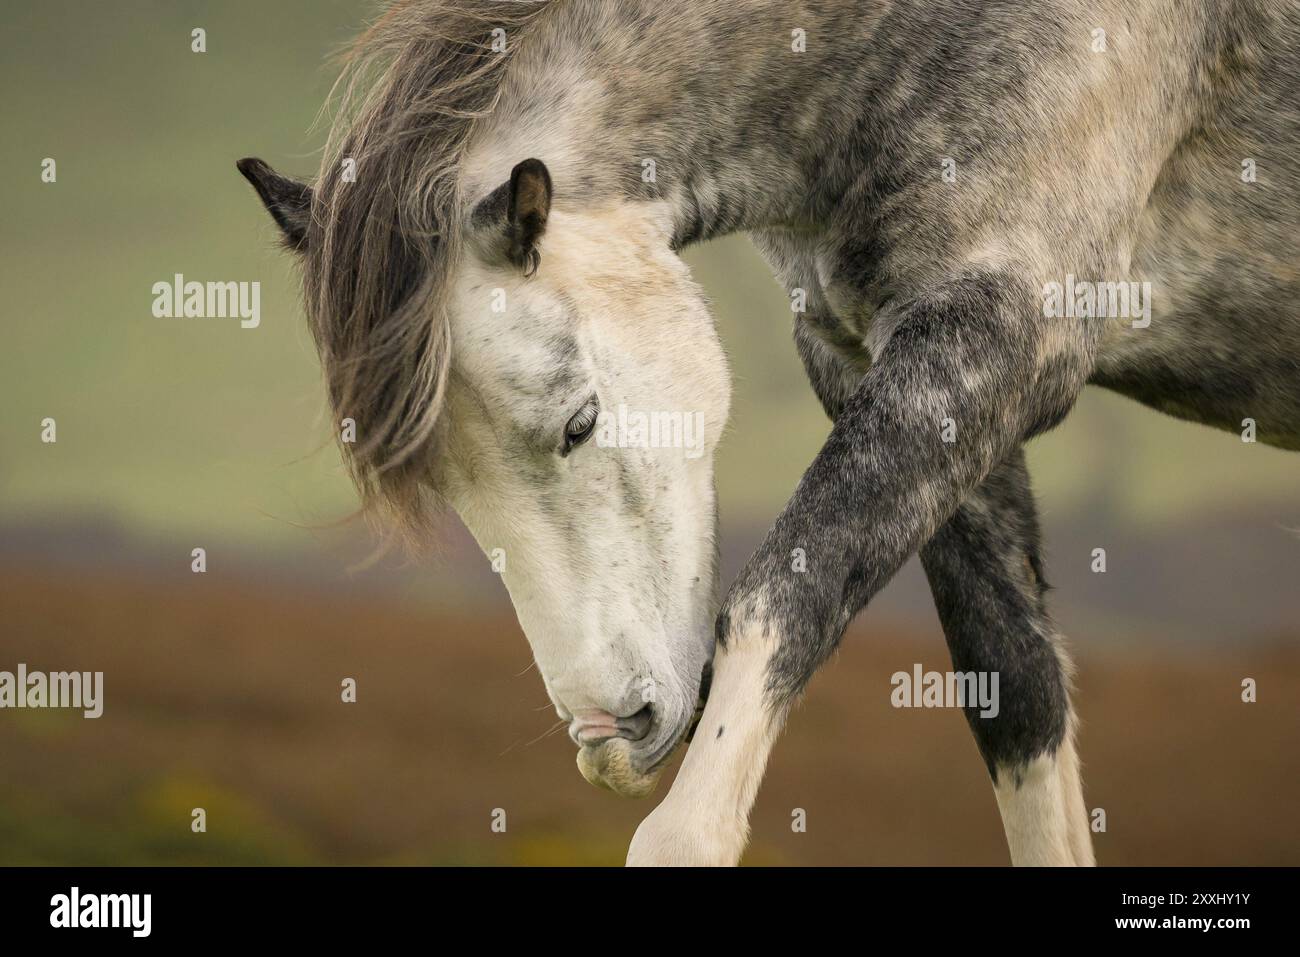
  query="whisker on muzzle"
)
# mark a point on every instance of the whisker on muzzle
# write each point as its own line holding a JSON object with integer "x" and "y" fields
{"x": 549, "y": 732}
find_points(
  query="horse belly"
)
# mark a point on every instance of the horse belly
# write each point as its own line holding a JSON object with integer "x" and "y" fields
{"x": 1219, "y": 243}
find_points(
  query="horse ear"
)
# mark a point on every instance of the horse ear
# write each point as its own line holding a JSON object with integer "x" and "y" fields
{"x": 514, "y": 214}
{"x": 287, "y": 200}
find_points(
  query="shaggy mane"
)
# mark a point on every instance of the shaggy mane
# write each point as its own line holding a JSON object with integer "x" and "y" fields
{"x": 380, "y": 250}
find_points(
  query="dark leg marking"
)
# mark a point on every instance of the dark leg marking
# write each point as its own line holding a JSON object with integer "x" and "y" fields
{"x": 986, "y": 575}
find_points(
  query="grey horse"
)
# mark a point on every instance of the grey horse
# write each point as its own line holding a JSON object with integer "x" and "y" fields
{"x": 980, "y": 208}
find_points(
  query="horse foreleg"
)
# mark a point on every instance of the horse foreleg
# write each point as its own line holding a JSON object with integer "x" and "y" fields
{"x": 968, "y": 371}
{"x": 704, "y": 820}
{"x": 986, "y": 575}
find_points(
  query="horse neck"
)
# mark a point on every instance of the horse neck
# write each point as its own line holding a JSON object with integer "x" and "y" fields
{"x": 706, "y": 106}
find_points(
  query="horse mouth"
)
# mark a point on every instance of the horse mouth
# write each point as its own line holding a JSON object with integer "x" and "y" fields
{"x": 612, "y": 764}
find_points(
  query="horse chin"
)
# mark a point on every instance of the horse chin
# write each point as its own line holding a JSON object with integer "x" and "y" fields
{"x": 609, "y": 766}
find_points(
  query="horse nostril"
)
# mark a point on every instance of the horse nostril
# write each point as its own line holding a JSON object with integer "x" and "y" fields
{"x": 637, "y": 726}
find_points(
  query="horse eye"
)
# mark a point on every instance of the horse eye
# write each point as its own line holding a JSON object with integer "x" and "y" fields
{"x": 581, "y": 426}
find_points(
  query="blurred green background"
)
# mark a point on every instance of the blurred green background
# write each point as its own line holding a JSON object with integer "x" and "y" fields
{"x": 222, "y": 690}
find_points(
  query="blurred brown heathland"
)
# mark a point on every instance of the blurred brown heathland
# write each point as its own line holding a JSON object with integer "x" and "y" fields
{"x": 227, "y": 696}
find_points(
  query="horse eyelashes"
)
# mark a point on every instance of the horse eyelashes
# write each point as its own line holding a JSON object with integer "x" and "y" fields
{"x": 580, "y": 426}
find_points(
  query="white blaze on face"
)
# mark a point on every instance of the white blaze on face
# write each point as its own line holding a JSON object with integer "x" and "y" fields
{"x": 609, "y": 549}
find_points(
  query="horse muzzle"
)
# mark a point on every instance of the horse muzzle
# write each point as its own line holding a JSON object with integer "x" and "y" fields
{"x": 628, "y": 755}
